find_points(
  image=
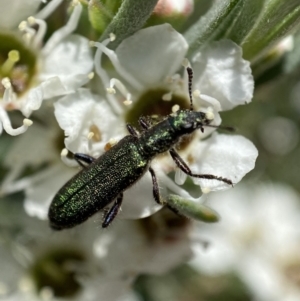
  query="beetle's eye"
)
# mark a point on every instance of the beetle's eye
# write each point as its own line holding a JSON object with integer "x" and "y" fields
{"x": 187, "y": 125}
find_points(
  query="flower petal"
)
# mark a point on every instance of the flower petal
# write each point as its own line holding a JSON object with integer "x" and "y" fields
{"x": 152, "y": 53}
{"x": 222, "y": 73}
{"x": 67, "y": 60}
{"x": 138, "y": 201}
{"x": 224, "y": 156}
{"x": 77, "y": 113}
{"x": 43, "y": 188}
{"x": 14, "y": 11}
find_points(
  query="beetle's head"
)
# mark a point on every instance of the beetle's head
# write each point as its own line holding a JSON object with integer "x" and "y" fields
{"x": 187, "y": 121}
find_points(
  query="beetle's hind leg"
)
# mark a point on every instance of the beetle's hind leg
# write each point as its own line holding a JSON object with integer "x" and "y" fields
{"x": 79, "y": 157}
{"x": 185, "y": 168}
{"x": 112, "y": 213}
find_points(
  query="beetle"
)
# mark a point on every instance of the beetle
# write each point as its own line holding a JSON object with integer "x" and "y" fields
{"x": 105, "y": 179}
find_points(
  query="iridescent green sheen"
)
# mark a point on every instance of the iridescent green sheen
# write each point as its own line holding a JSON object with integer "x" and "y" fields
{"x": 106, "y": 178}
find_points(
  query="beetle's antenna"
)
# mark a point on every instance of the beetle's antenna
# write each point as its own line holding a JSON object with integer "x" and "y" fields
{"x": 190, "y": 75}
{"x": 226, "y": 128}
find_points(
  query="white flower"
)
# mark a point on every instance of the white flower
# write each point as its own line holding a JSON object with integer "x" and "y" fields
{"x": 40, "y": 265}
{"x": 153, "y": 245}
{"x": 258, "y": 237}
{"x": 148, "y": 62}
{"x": 33, "y": 73}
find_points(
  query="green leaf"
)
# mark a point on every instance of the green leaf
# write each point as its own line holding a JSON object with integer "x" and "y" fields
{"x": 132, "y": 16}
{"x": 245, "y": 22}
{"x": 192, "y": 209}
{"x": 214, "y": 24}
{"x": 276, "y": 21}
{"x": 99, "y": 15}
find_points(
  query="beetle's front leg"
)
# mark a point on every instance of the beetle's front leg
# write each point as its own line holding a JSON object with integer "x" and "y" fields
{"x": 132, "y": 131}
{"x": 112, "y": 213}
{"x": 79, "y": 157}
{"x": 156, "y": 193}
{"x": 185, "y": 168}
{"x": 144, "y": 123}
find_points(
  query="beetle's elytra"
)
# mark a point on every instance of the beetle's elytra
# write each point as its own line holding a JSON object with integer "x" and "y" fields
{"x": 104, "y": 179}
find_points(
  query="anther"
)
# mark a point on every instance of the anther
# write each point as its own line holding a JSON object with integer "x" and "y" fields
{"x": 127, "y": 102}
{"x": 31, "y": 20}
{"x": 91, "y": 75}
{"x": 196, "y": 93}
{"x": 27, "y": 122}
{"x": 22, "y": 26}
{"x": 206, "y": 190}
{"x": 185, "y": 63}
{"x": 175, "y": 108}
{"x": 209, "y": 115}
{"x": 6, "y": 83}
{"x": 111, "y": 90}
{"x": 112, "y": 37}
{"x": 90, "y": 135}
{"x": 167, "y": 96}
{"x": 64, "y": 152}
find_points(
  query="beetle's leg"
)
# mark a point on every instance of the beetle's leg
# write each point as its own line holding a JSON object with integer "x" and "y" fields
{"x": 144, "y": 123}
{"x": 132, "y": 131}
{"x": 184, "y": 167}
{"x": 156, "y": 193}
{"x": 83, "y": 158}
{"x": 112, "y": 213}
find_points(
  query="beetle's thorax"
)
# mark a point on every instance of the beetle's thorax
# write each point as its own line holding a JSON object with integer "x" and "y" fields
{"x": 165, "y": 134}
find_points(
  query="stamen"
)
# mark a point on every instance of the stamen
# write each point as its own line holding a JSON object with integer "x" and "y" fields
{"x": 112, "y": 37}
{"x": 173, "y": 187}
{"x": 91, "y": 75}
{"x": 8, "y": 95}
{"x": 185, "y": 63}
{"x": 7, "y": 124}
{"x": 110, "y": 144}
{"x": 209, "y": 115}
{"x": 27, "y": 122}
{"x": 121, "y": 88}
{"x": 111, "y": 90}
{"x": 127, "y": 102}
{"x": 46, "y": 293}
{"x": 196, "y": 93}
{"x": 13, "y": 58}
{"x": 64, "y": 31}
{"x": 66, "y": 160}
{"x": 64, "y": 152}
{"x": 104, "y": 77}
{"x": 115, "y": 61}
{"x": 40, "y": 33}
{"x": 6, "y": 83}
{"x": 205, "y": 190}
{"x": 167, "y": 96}
{"x": 180, "y": 177}
{"x": 175, "y": 108}
{"x": 90, "y": 135}
{"x": 29, "y": 32}
{"x": 48, "y": 9}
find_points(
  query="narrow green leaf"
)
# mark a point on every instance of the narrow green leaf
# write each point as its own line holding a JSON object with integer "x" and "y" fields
{"x": 99, "y": 15}
{"x": 250, "y": 13}
{"x": 191, "y": 209}
{"x": 214, "y": 24}
{"x": 132, "y": 16}
{"x": 277, "y": 20}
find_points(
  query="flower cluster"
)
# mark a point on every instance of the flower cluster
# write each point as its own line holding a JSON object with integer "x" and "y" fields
{"x": 78, "y": 96}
